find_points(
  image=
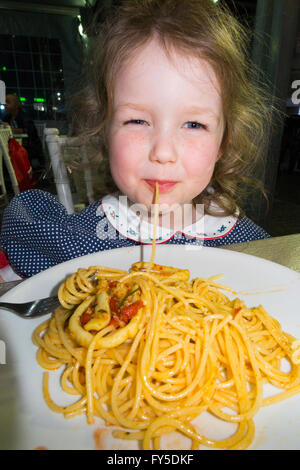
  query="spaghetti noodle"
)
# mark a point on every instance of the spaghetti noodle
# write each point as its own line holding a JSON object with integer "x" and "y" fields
{"x": 155, "y": 224}
{"x": 150, "y": 350}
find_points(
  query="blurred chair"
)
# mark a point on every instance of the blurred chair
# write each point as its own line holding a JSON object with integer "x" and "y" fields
{"x": 56, "y": 146}
{"x": 40, "y": 127}
{"x": 5, "y": 135}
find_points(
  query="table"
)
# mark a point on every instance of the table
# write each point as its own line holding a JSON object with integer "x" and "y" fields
{"x": 282, "y": 250}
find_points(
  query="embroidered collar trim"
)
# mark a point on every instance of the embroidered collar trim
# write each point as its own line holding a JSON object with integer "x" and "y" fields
{"x": 126, "y": 221}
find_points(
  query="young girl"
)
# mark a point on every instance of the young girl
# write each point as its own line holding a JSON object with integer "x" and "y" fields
{"x": 172, "y": 103}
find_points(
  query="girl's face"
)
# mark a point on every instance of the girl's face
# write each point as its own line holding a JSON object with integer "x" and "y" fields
{"x": 167, "y": 126}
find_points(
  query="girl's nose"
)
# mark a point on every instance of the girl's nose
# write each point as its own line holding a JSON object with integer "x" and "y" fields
{"x": 163, "y": 148}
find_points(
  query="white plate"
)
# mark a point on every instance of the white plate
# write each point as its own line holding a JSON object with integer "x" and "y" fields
{"x": 25, "y": 420}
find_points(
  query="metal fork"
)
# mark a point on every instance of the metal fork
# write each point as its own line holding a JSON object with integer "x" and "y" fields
{"x": 33, "y": 309}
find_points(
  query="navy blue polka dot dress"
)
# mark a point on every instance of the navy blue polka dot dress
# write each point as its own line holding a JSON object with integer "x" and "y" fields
{"x": 37, "y": 233}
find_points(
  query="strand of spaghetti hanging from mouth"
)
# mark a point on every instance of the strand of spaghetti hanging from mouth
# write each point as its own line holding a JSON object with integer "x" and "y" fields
{"x": 154, "y": 225}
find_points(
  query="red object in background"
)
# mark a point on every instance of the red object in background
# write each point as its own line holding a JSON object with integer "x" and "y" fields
{"x": 3, "y": 260}
{"x": 21, "y": 165}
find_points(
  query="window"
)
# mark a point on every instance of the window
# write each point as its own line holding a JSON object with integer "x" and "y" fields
{"x": 32, "y": 68}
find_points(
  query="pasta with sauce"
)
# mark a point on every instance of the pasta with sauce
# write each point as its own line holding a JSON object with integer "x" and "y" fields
{"x": 150, "y": 350}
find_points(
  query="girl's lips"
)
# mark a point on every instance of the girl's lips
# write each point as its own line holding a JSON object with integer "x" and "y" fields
{"x": 164, "y": 186}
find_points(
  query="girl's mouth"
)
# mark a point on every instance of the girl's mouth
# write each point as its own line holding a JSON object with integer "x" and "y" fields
{"x": 164, "y": 186}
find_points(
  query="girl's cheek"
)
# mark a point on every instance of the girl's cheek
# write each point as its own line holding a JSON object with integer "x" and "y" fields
{"x": 128, "y": 150}
{"x": 126, "y": 157}
{"x": 200, "y": 153}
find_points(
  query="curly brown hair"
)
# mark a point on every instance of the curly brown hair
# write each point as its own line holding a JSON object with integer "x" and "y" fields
{"x": 198, "y": 28}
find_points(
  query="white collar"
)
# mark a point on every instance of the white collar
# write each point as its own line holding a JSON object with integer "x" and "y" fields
{"x": 126, "y": 221}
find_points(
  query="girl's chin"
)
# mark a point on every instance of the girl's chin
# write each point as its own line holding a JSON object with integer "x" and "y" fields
{"x": 164, "y": 205}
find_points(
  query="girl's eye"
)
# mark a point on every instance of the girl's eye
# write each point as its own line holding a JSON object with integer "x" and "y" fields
{"x": 136, "y": 121}
{"x": 194, "y": 125}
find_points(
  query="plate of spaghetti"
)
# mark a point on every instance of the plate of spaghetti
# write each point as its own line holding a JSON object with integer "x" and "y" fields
{"x": 200, "y": 351}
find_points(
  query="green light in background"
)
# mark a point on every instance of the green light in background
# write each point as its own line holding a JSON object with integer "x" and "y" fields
{"x": 4, "y": 68}
{"x": 22, "y": 98}
{"x": 39, "y": 100}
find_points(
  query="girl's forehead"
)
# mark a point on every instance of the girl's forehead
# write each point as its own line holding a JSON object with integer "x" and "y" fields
{"x": 187, "y": 64}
